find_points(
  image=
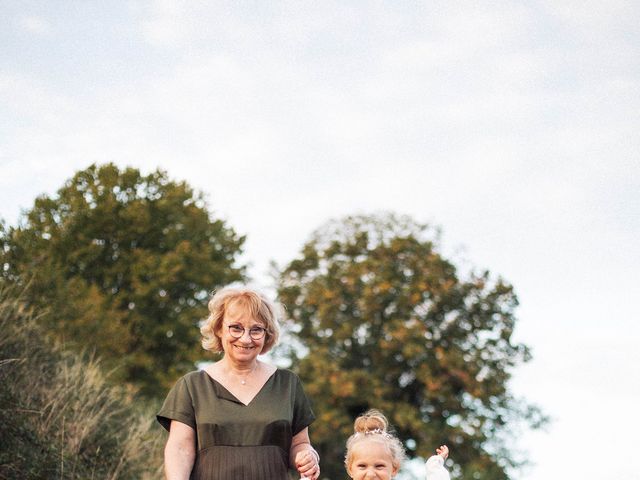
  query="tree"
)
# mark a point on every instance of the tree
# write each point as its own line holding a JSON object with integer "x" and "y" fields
{"x": 123, "y": 263}
{"x": 389, "y": 323}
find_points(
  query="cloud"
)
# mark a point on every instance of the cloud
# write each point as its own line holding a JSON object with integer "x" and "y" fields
{"x": 175, "y": 24}
{"x": 35, "y": 25}
{"x": 470, "y": 97}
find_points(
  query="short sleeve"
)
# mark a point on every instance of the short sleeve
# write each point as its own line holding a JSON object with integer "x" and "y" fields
{"x": 177, "y": 406}
{"x": 303, "y": 415}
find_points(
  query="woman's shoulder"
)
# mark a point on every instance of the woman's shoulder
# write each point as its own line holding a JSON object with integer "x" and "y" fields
{"x": 285, "y": 372}
{"x": 194, "y": 377}
{"x": 287, "y": 375}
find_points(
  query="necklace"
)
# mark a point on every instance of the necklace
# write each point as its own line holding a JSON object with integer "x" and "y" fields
{"x": 243, "y": 381}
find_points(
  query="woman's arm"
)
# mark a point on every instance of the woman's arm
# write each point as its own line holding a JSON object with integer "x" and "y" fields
{"x": 303, "y": 456}
{"x": 180, "y": 451}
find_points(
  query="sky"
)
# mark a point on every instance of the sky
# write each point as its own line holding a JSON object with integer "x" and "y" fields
{"x": 512, "y": 126}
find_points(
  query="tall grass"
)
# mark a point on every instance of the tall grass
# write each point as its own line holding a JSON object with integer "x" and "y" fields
{"x": 59, "y": 416}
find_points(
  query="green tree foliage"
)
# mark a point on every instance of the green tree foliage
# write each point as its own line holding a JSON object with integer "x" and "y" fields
{"x": 59, "y": 417}
{"x": 389, "y": 323}
{"x": 124, "y": 264}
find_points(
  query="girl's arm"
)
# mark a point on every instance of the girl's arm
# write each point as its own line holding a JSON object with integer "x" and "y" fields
{"x": 303, "y": 456}
{"x": 180, "y": 451}
{"x": 435, "y": 465}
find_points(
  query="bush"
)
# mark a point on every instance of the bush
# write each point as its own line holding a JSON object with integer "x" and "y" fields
{"x": 59, "y": 416}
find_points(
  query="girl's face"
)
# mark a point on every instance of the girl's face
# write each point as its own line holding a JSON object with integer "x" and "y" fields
{"x": 371, "y": 459}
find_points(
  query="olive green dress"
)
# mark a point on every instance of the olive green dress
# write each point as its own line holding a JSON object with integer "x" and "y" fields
{"x": 236, "y": 441}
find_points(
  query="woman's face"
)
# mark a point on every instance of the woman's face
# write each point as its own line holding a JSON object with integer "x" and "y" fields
{"x": 244, "y": 349}
{"x": 371, "y": 459}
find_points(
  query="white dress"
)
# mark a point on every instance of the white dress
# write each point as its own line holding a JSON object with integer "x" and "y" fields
{"x": 435, "y": 469}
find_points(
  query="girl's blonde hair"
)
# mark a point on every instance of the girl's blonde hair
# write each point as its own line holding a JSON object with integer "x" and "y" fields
{"x": 373, "y": 426}
{"x": 254, "y": 303}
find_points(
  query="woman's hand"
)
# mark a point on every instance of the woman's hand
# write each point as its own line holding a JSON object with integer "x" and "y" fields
{"x": 306, "y": 463}
{"x": 303, "y": 457}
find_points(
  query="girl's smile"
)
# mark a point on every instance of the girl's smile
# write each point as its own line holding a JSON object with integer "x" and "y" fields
{"x": 371, "y": 460}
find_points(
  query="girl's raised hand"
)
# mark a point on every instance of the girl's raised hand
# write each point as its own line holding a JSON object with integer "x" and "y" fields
{"x": 443, "y": 451}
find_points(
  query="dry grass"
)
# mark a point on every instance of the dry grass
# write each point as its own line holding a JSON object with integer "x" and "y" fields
{"x": 59, "y": 416}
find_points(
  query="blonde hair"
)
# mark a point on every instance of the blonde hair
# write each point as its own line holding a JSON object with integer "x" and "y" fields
{"x": 253, "y": 302}
{"x": 373, "y": 426}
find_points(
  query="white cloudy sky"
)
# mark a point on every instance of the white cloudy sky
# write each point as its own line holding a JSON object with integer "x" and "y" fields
{"x": 512, "y": 125}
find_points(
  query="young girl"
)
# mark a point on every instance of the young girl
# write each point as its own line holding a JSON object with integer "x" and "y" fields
{"x": 374, "y": 453}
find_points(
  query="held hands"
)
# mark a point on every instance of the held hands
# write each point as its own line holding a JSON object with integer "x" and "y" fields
{"x": 306, "y": 463}
{"x": 443, "y": 451}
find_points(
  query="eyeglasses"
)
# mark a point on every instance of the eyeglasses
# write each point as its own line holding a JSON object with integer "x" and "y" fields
{"x": 256, "y": 333}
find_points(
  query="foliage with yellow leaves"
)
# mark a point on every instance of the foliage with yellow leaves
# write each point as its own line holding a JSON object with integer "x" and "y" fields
{"x": 389, "y": 323}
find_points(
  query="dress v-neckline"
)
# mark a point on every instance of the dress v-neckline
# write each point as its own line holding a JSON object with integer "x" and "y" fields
{"x": 232, "y": 396}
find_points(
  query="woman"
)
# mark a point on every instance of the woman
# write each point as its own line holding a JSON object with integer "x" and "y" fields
{"x": 239, "y": 418}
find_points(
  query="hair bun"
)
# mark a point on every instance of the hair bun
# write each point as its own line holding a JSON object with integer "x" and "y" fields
{"x": 372, "y": 421}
